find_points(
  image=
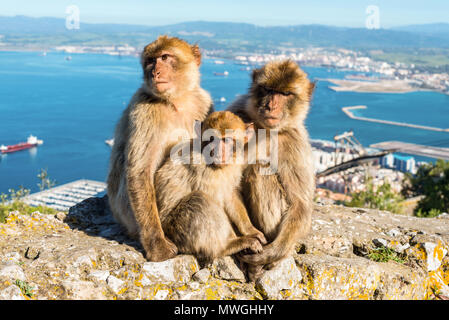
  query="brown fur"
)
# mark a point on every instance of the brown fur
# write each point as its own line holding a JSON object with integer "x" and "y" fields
{"x": 144, "y": 135}
{"x": 279, "y": 204}
{"x": 200, "y": 203}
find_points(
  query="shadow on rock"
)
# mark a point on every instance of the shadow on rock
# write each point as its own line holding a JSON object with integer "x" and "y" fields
{"x": 94, "y": 217}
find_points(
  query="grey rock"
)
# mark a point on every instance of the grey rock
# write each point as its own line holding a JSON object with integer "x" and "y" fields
{"x": 285, "y": 276}
{"x": 394, "y": 233}
{"x": 161, "y": 295}
{"x": 178, "y": 270}
{"x": 115, "y": 283}
{"x": 11, "y": 293}
{"x": 225, "y": 268}
{"x": 60, "y": 216}
{"x": 13, "y": 257}
{"x": 82, "y": 290}
{"x": 332, "y": 260}
{"x": 12, "y": 271}
{"x": 202, "y": 276}
{"x": 99, "y": 275}
{"x": 380, "y": 242}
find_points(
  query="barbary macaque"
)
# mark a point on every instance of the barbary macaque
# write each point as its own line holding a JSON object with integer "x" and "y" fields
{"x": 170, "y": 99}
{"x": 280, "y": 200}
{"x": 198, "y": 197}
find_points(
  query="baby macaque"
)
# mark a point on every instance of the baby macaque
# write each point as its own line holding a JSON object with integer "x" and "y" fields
{"x": 198, "y": 194}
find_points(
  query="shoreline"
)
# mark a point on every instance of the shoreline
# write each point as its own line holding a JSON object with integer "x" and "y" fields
{"x": 347, "y": 111}
{"x": 381, "y": 86}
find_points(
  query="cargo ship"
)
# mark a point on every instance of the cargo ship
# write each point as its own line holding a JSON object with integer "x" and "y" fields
{"x": 31, "y": 142}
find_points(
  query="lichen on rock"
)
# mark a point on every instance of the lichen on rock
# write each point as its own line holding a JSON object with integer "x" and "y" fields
{"x": 85, "y": 255}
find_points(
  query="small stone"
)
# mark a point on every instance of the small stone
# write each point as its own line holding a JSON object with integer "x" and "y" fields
{"x": 202, "y": 276}
{"x": 12, "y": 271}
{"x": 226, "y": 269}
{"x": 178, "y": 269}
{"x": 82, "y": 290}
{"x": 380, "y": 242}
{"x": 145, "y": 281}
{"x": 401, "y": 248}
{"x": 13, "y": 256}
{"x": 115, "y": 283}
{"x": 285, "y": 276}
{"x": 99, "y": 275}
{"x": 83, "y": 260}
{"x": 161, "y": 295}
{"x": 11, "y": 293}
{"x": 393, "y": 233}
{"x": 60, "y": 216}
{"x": 194, "y": 285}
{"x": 435, "y": 254}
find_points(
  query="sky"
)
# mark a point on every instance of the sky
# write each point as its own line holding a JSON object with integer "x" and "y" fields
{"x": 349, "y": 13}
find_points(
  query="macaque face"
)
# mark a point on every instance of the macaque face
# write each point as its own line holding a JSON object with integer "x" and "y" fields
{"x": 272, "y": 106}
{"x": 160, "y": 71}
{"x": 223, "y": 150}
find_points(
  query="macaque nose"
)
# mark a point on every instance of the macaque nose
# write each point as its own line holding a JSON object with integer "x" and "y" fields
{"x": 156, "y": 71}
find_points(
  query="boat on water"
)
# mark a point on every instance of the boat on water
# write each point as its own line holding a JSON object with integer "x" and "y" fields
{"x": 109, "y": 142}
{"x": 32, "y": 142}
{"x": 224, "y": 74}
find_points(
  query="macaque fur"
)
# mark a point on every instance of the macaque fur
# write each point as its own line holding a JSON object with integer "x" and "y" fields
{"x": 280, "y": 204}
{"x": 199, "y": 203}
{"x": 169, "y": 99}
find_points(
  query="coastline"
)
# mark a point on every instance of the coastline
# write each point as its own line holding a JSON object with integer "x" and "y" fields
{"x": 348, "y": 112}
{"x": 381, "y": 86}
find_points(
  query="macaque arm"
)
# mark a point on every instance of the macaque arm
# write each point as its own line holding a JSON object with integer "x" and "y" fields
{"x": 238, "y": 215}
{"x": 298, "y": 183}
{"x": 144, "y": 153}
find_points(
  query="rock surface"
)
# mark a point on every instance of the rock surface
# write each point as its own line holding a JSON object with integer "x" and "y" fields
{"x": 86, "y": 255}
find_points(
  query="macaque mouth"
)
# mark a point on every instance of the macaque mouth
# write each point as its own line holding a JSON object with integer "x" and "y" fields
{"x": 272, "y": 118}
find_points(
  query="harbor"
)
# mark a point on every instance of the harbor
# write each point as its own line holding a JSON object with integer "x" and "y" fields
{"x": 347, "y": 111}
{"x": 415, "y": 149}
{"x": 67, "y": 195}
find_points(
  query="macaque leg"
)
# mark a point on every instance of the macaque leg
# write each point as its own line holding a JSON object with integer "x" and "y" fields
{"x": 254, "y": 272}
{"x": 241, "y": 243}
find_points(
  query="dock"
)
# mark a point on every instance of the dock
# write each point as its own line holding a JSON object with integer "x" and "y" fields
{"x": 347, "y": 111}
{"x": 67, "y": 195}
{"x": 415, "y": 149}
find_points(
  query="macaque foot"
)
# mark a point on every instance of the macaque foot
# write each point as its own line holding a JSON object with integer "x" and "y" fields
{"x": 259, "y": 235}
{"x": 254, "y": 272}
{"x": 161, "y": 250}
{"x": 253, "y": 244}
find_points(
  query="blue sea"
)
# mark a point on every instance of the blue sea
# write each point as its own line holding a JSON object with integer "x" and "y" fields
{"x": 74, "y": 105}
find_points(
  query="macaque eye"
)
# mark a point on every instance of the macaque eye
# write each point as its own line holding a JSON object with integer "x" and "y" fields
{"x": 164, "y": 57}
{"x": 286, "y": 94}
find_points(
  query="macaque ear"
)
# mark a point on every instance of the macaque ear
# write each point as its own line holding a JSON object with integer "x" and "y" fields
{"x": 255, "y": 74}
{"x": 197, "y": 54}
{"x": 311, "y": 88}
{"x": 250, "y": 131}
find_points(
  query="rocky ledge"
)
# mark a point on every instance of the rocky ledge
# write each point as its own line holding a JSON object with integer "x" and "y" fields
{"x": 350, "y": 254}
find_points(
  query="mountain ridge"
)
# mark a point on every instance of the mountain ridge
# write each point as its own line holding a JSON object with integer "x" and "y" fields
{"x": 223, "y": 34}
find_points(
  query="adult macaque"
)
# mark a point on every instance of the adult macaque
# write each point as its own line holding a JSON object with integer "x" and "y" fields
{"x": 279, "y": 204}
{"x": 170, "y": 99}
{"x": 198, "y": 193}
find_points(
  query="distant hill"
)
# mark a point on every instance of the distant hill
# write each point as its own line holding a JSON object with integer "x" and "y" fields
{"x": 28, "y": 31}
{"x": 437, "y": 29}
